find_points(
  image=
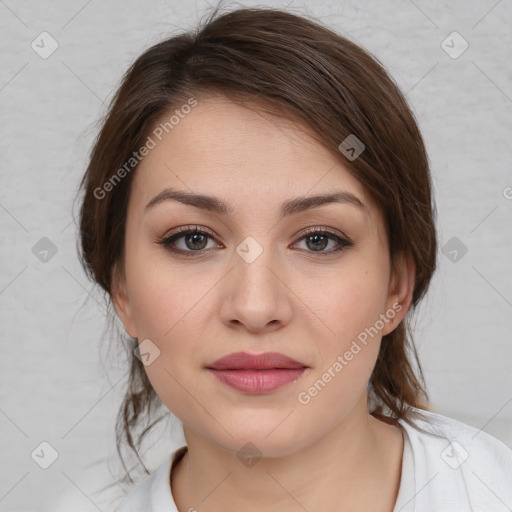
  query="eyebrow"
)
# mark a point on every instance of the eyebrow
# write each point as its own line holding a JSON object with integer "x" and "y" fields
{"x": 289, "y": 207}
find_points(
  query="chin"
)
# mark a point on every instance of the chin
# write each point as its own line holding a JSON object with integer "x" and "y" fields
{"x": 275, "y": 441}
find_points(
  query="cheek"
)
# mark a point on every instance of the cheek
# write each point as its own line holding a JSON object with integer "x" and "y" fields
{"x": 350, "y": 304}
{"x": 169, "y": 308}
{"x": 351, "y": 307}
{"x": 351, "y": 300}
{"x": 163, "y": 297}
{"x": 166, "y": 311}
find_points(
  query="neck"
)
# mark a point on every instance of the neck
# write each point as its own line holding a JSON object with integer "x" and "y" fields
{"x": 355, "y": 466}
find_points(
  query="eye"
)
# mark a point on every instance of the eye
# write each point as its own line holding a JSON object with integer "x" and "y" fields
{"x": 195, "y": 240}
{"x": 317, "y": 240}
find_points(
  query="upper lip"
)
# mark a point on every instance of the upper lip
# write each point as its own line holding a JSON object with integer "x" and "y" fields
{"x": 246, "y": 361}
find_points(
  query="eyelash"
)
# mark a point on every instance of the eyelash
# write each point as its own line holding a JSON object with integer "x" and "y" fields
{"x": 168, "y": 241}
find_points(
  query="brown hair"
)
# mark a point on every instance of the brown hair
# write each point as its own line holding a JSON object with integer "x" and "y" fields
{"x": 307, "y": 73}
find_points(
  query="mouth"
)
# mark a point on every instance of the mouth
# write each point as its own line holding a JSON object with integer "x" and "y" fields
{"x": 259, "y": 373}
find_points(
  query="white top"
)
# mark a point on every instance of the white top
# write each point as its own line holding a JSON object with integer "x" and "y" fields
{"x": 462, "y": 469}
{"x": 407, "y": 486}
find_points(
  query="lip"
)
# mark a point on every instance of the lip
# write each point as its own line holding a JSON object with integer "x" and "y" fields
{"x": 258, "y": 373}
{"x": 264, "y": 361}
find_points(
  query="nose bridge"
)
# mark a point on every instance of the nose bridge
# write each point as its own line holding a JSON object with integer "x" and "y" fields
{"x": 254, "y": 264}
{"x": 256, "y": 294}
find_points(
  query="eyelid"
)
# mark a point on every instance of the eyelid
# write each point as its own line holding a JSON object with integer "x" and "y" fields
{"x": 186, "y": 229}
{"x": 327, "y": 229}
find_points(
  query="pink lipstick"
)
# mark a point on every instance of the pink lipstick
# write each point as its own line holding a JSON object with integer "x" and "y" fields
{"x": 258, "y": 373}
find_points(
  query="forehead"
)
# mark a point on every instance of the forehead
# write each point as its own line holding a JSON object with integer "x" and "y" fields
{"x": 242, "y": 155}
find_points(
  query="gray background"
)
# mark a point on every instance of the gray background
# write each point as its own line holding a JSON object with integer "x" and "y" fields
{"x": 59, "y": 384}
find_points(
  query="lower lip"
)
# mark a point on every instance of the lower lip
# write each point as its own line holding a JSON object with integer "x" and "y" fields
{"x": 258, "y": 381}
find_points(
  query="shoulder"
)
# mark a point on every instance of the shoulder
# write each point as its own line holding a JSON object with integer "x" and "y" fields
{"x": 467, "y": 442}
{"x": 139, "y": 496}
{"x": 459, "y": 466}
{"x": 153, "y": 494}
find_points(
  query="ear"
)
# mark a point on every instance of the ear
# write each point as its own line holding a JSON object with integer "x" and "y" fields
{"x": 121, "y": 300}
{"x": 401, "y": 288}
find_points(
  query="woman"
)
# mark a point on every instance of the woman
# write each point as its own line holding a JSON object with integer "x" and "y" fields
{"x": 258, "y": 207}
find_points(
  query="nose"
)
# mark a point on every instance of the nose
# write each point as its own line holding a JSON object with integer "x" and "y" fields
{"x": 255, "y": 296}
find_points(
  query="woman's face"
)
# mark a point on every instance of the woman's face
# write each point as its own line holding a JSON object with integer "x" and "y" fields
{"x": 256, "y": 279}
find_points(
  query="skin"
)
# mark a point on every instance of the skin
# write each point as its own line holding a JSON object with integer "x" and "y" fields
{"x": 329, "y": 454}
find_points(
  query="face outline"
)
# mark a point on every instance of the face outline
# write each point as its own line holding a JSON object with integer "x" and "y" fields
{"x": 290, "y": 299}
